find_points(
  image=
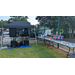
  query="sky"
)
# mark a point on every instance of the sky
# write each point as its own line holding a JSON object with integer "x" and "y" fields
{"x": 31, "y": 19}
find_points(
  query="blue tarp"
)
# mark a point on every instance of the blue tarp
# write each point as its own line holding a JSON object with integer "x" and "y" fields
{"x": 18, "y": 47}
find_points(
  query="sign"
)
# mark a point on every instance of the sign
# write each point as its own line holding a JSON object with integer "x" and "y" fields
{"x": 47, "y": 32}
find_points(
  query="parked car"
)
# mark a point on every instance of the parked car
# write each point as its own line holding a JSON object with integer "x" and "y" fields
{"x": 6, "y": 32}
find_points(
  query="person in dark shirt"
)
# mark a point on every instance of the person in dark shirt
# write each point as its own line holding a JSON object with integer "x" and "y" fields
{"x": 20, "y": 33}
{"x": 23, "y": 30}
{"x": 0, "y": 31}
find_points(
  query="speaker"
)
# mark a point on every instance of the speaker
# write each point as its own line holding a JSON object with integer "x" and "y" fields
{"x": 14, "y": 43}
{"x": 26, "y": 42}
{"x": 12, "y": 32}
{"x": 21, "y": 43}
{"x": 26, "y": 33}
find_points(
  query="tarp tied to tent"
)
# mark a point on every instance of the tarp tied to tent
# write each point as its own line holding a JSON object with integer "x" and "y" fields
{"x": 18, "y": 24}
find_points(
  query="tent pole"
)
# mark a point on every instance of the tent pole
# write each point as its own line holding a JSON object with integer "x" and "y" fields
{"x": 29, "y": 35}
{"x": 0, "y": 44}
{"x": 35, "y": 39}
{"x": 1, "y": 41}
{"x": 1, "y": 36}
{"x": 35, "y": 36}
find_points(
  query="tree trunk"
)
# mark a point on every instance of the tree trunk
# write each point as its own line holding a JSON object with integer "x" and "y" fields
{"x": 66, "y": 29}
{"x": 72, "y": 33}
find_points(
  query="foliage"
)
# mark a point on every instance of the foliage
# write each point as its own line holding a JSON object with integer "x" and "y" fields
{"x": 3, "y": 22}
{"x": 52, "y": 22}
{"x": 49, "y": 21}
{"x": 16, "y": 18}
{"x": 66, "y": 35}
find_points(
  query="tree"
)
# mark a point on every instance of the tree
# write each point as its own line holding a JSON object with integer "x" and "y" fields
{"x": 68, "y": 22}
{"x": 3, "y": 22}
{"x": 24, "y": 19}
{"x": 64, "y": 23}
{"x": 50, "y": 21}
{"x": 16, "y": 18}
{"x": 72, "y": 24}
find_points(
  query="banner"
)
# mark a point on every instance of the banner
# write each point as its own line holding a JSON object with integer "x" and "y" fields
{"x": 47, "y": 32}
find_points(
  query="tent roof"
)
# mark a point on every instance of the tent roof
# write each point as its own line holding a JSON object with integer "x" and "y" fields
{"x": 18, "y": 24}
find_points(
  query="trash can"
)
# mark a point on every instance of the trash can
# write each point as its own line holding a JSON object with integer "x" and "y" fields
{"x": 72, "y": 55}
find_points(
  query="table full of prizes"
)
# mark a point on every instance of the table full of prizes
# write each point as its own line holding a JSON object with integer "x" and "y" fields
{"x": 58, "y": 39}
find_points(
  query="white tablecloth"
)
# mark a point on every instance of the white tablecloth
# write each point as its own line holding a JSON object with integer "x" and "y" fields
{"x": 69, "y": 44}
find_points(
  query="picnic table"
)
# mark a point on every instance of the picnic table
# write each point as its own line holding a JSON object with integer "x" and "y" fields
{"x": 65, "y": 43}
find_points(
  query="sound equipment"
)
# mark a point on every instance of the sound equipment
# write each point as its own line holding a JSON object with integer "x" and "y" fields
{"x": 21, "y": 43}
{"x": 12, "y": 32}
{"x": 14, "y": 43}
{"x": 26, "y": 42}
{"x": 18, "y": 44}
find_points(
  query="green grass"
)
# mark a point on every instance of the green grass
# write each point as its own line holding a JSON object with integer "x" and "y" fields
{"x": 34, "y": 51}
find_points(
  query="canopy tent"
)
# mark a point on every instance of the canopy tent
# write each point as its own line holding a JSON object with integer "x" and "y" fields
{"x": 18, "y": 24}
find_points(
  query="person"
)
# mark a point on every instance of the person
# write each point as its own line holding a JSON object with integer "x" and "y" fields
{"x": 0, "y": 31}
{"x": 24, "y": 38}
{"x": 24, "y": 34}
{"x": 20, "y": 33}
{"x": 23, "y": 30}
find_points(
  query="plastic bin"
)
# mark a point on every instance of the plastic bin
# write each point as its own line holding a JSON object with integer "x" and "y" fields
{"x": 72, "y": 55}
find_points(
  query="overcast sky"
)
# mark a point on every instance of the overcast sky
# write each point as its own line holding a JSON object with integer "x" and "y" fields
{"x": 31, "y": 19}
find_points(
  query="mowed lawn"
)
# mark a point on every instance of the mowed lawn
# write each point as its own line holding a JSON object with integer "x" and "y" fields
{"x": 34, "y": 51}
